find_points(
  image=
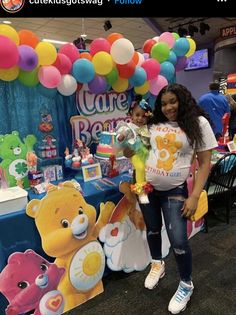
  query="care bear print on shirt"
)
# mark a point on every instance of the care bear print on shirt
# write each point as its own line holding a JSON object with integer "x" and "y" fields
{"x": 167, "y": 147}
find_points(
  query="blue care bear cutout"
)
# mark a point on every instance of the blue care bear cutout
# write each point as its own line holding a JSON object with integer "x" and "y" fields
{"x": 13, "y": 153}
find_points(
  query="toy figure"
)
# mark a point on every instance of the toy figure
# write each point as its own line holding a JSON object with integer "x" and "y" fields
{"x": 13, "y": 153}
{"x": 29, "y": 282}
{"x": 68, "y": 228}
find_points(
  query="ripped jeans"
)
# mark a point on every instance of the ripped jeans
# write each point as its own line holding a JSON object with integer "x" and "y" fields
{"x": 170, "y": 203}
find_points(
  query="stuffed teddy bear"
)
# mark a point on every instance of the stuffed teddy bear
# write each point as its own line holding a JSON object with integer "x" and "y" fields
{"x": 29, "y": 282}
{"x": 13, "y": 153}
{"x": 69, "y": 230}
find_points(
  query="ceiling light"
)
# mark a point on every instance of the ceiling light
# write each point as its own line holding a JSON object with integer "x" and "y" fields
{"x": 203, "y": 28}
{"x": 182, "y": 32}
{"x": 54, "y": 41}
{"x": 107, "y": 25}
{"x": 6, "y": 22}
{"x": 192, "y": 29}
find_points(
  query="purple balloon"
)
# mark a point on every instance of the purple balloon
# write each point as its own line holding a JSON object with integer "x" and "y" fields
{"x": 28, "y": 60}
{"x": 146, "y": 56}
{"x": 181, "y": 63}
{"x": 98, "y": 85}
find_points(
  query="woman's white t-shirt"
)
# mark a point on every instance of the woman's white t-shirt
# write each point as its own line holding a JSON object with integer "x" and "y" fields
{"x": 169, "y": 161}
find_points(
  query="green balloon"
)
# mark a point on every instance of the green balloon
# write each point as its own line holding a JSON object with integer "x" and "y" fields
{"x": 160, "y": 52}
{"x": 176, "y": 35}
{"x": 29, "y": 78}
{"x": 112, "y": 76}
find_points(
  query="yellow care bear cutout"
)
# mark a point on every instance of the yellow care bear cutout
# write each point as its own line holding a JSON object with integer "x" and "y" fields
{"x": 68, "y": 229}
{"x": 167, "y": 147}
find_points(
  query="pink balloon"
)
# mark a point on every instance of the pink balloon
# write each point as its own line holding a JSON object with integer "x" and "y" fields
{"x": 49, "y": 76}
{"x": 99, "y": 44}
{"x": 9, "y": 55}
{"x": 152, "y": 68}
{"x": 167, "y": 38}
{"x": 70, "y": 51}
{"x": 63, "y": 64}
{"x": 157, "y": 84}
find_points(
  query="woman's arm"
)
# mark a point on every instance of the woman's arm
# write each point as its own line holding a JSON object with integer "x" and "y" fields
{"x": 204, "y": 161}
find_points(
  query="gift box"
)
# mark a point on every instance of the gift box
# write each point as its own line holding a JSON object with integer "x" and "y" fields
{"x": 122, "y": 164}
{"x": 12, "y": 199}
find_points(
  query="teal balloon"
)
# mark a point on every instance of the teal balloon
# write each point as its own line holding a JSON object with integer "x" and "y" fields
{"x": 172, "y": 57}
{"x": 139, "y": 77}
{"x": 83, "y": 70}
{"x": 181, "y": 47}
{"x": 160, "y": 51}
{"x": 112, "y": 76}
{"x": 167, "y": 70}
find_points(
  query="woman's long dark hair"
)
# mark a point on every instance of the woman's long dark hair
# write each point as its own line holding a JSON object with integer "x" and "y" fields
{"x": 188, "y": 112}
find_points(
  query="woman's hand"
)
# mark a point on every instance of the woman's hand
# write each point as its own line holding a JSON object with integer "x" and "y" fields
{"x": 190, "y": 206}
{"x": 128, "y": 153}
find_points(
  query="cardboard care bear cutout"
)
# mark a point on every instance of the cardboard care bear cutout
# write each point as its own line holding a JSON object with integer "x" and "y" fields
{"x": 68, "y": 229}
{"x": 29, "y": 282}
{"x": 13, "y": 153}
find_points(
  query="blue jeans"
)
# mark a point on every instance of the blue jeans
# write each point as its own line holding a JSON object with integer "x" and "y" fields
{"x": 176, "y": 227}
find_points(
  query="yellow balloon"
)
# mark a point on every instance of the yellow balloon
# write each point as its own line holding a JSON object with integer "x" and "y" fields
{"x": 10, "y": 32}
{"x": 9, "y": 74}
{"x": 47, "y": 53}
{"x": 120, "y": 85}
{"x": 103, "y": 63}
{"x": 142, "y": 89}
{"x": 192, "y": 47}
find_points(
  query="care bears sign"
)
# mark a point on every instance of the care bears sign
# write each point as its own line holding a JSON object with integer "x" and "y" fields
{"x": 98, "y": 112}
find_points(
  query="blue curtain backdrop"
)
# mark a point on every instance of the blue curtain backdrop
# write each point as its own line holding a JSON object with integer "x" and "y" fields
{"x": 21, "y": 108}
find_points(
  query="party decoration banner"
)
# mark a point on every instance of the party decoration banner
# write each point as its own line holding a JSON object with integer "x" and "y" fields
{"x": 99, "y": 112}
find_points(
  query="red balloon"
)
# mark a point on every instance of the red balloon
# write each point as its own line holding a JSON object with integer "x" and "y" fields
{"x": 127, "y": 70}
{"x": 147, "y": 46}
{"x": 63, "y": 63}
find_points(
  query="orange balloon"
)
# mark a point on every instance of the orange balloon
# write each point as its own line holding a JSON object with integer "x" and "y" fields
{"x": 28, "y": 38}
{"x": 113, "y": 37}
{"x": 86, "y": 55}
{"x": 135, "y": 58}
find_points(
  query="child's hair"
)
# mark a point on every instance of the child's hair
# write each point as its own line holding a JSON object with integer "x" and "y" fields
{"x": 142, "y": 103}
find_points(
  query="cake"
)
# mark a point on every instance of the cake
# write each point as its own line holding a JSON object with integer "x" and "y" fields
{"x": 106, "y": 146}
{"x": 105, "y": 149}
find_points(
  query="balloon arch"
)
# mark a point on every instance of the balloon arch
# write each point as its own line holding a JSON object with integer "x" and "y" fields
{"x": 111, "y": 64}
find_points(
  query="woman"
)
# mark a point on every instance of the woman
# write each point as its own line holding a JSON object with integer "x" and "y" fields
{"x": 178, "y": 130}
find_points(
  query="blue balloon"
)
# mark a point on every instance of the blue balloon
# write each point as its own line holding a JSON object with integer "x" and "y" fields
{"x": 139, "y": 77}
{"x": 172, "y": 58}
{"x": 181, "y": 47}
{"x": 83, "y": 70}
{"x": 167, "y": 70}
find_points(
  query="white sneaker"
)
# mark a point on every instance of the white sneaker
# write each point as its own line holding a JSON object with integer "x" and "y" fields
{"x": 157, "y": 272}
{"x": 143, "y": 198}
{"x": 179, "y": 301}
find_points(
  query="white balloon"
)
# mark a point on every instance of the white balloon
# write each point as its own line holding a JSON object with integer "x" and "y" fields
{"x": 68, "y": 85}
{"x": 156, "y": 38}
{"x": 141, "y": 59}
{"x": 122, "y": 51}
